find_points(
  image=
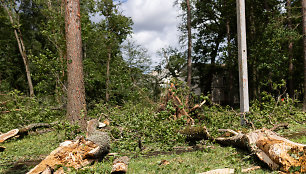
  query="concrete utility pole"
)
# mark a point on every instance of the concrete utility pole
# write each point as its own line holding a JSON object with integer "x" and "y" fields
{"x": 242, "y": 56}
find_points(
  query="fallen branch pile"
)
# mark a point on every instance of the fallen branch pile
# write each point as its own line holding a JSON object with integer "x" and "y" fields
{"x": 179, "y": 106}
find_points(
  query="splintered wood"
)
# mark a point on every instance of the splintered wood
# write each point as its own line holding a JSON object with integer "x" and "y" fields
{"x": 76, "y": 154}
{"x": 276, "y": 151}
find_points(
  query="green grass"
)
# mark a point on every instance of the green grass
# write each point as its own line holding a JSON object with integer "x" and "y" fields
{"x": 22, "y": 154}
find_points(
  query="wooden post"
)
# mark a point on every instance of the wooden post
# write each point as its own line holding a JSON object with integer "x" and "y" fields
{"x": 242, "y": 56}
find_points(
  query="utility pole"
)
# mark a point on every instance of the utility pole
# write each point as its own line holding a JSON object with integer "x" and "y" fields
{"x": 242, "y": 56}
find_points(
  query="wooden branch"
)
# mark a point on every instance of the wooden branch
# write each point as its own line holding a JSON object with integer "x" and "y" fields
{"x": 228, "y": 130}
{"x": 120, "y": 165}
{"x": 197, "y": 106}
{"x": 179, "y": 105}
{"x": 278, "y": 126}
{"x": 220, "y": 171}
{"x": 250, "y": 169}
{"x": 4, "y": 112}
{"x": 24, "y": 131}
{"x": 8, "y": 135}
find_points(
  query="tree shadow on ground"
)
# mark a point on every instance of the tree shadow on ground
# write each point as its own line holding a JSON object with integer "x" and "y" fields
{"x": 21, "y": 167}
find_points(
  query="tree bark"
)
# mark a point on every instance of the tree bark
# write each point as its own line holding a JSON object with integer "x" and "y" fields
{"x": 21, "y": 47}
{"x": 76, "y": 106}
{"x": 107, "y": 75}
{"x": 189, "y": 65}
{"x": 304, "y": 40}
{"x": 290, "y": 52}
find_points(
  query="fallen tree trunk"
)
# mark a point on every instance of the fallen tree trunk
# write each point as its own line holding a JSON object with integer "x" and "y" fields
{"x": 24, "y": 131}
{"x": 76, "y": 154}
{"x": 277, "y": 152}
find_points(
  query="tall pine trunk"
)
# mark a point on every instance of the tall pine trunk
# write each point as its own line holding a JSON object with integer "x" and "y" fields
{"x": 290, "y": 54}
{"x": 304, "y": 40}
{"x": 76, "y": 106}
{"x": 107, "y": 74}
{"x": 189, "y": 68}
{"x": 22, "y": 49}
{"x": 189, "y": 65}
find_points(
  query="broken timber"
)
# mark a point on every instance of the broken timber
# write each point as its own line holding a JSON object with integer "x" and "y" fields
{"x": 76, "y": 154}
{"x": 277, "y": 152}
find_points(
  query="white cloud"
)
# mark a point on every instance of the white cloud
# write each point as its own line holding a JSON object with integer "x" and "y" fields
{"x": 155, "y": 24}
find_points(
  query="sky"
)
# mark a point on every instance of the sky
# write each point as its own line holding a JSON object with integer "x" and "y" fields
{"x": 155, "y": 24}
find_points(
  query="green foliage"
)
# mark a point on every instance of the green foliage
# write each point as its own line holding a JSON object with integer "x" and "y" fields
{"x": 271, "y": 111}
{"x": 23, "y": 154}
{"x": 18, "y": 110}
{"x": 132, "y": 123}
{"x": 69, "y": 130}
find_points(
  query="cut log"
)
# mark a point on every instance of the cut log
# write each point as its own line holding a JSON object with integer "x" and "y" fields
{"x": 24, "y": 131}
{"x": 120, "y": 165}
{"x": 195, "y": 133}
{"x": 70, "y": 154}
{"x": 277, "y": 152}
{"x": 220, "y": 171}
{"x": 8, "y": 135}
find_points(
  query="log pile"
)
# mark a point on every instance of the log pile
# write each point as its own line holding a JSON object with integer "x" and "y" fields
{"x": 277, "y": 152}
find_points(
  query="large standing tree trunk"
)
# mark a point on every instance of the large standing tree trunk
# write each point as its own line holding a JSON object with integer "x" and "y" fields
{"x": 189, "y": 66}
{"x": 304, "y": 38}
{"x": 290, "y": 50}
{"x": 107, "y": 74}
{"x": 21, "y": 47}
{"x": 76, "y": 106}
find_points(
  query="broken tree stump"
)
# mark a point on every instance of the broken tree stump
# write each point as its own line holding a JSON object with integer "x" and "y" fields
{"x": 76, "y": 154}
{"x": 277, "y": 152}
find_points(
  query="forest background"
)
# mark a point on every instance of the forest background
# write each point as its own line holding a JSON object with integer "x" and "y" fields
{"x": 118, "y": 79}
